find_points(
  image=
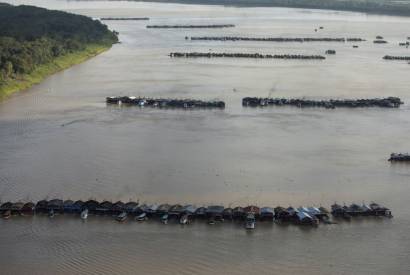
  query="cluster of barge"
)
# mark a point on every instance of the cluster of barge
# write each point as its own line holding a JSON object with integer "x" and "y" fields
{"x": 389, "y": 102}
{"x": 164, "y": 102}
{"x": 275, "y": 39}
{"x": 245, "y": 55}
{"x": 185, "y": 214}
{"x": 214, "y": 26}
{"x": 399, "y": 157}
{"x": 391, "y": 57}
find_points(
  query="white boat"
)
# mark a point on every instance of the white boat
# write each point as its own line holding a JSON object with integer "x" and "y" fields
{"x": 250, "y": 221}
{"x": 184, "y": 219}
{"x": 84, "y": 214}
{"x": 141, "y": 217}
{"x": 164, "y": 219}
{"x": 122, "y": 217}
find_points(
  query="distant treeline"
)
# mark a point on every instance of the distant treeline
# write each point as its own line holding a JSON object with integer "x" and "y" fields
{"x": 368, "y": 6}
{"x": 31, "y": 36}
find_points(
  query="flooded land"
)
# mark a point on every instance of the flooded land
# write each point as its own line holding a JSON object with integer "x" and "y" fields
{"x": 60, "y": 139}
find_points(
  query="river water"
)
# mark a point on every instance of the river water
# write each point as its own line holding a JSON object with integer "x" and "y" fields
{"x": 59, "y": 139}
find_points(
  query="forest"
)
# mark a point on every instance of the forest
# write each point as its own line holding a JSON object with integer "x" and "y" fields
{"x": 31, "y": 36}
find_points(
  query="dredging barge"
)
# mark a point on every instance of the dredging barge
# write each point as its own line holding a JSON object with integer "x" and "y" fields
{"x": 214, "y": 26}
{"x": 186, "y": 214}
{"x": 399, "y": 157}
{"x": 244, "y": 55}
{"x": 389, "y": 102}
{"x": 164, "y": 102}
{"x": 274, "y": 39}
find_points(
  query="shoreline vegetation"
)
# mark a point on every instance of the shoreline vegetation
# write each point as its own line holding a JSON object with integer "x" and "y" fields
{"x": 36, "y": 43}
{"x": 382, "y": 7}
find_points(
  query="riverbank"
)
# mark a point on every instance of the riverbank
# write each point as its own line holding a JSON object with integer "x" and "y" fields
{"x": 22, "y": 82}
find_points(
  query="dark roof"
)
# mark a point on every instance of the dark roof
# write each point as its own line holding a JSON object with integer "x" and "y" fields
{"x": 215, "y": 209}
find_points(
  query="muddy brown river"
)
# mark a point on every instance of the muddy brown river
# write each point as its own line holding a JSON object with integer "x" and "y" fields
{"x": 60, "y": 139}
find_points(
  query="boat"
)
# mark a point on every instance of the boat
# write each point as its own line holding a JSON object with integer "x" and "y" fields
{"x": 211, "y": 221}
{"x": 399, "y": 157}
{"x": 6, "y": 206}
{"x": 164, "y": 218}
{"x": 6, "y": 214}
{"x": 121, "y": 217}
{"x": 141, "y": 217}
{"x": 91, "y": 205}
{"x": 175, "y": 211}
{"x": 152, "y": 209}
{"x": 163, "y": 209}
{"x": 252, "y": 209}
{"x": 51, "y": 213}
{"x": 104, "y": 208}
{"x": 340, "y": 212}
{"x": 250, "y": 221}
{"x": 84, "y": 214}
{"x": 184, "y": 219}
{"x": 190, "y": 209}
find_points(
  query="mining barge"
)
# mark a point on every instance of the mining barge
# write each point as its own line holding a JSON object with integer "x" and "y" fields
{"x": 164, "y": 102}
{"x": 214, "y": 26}
{"x": 388, "y": 102}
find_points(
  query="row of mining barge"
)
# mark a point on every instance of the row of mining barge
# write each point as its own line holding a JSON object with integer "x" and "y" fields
{"x": 246, "y": 55}
{"x": 399, "y": 157}
{"x": 187, "y": 213}
{"x": 274, "y": 39}
{"x": 124, "y": 18}
{"x": 389, "y": 102}
{"x": 164, "y": 103}
{"x": 402, "y": 58}
{"x": 215, "y": 26}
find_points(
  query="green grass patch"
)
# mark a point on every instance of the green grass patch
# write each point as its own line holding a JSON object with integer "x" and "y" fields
{"x": 22, "y": 82}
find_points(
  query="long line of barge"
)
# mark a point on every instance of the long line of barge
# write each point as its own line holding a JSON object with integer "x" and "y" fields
{"x": 213, "y": 26}
{"x": 275, "y": 39}
{"x": 184, "y": 214}
{"x": 388, "y": 102}
{"x": 245, "y": 55}
{"x": 165, "y": 102}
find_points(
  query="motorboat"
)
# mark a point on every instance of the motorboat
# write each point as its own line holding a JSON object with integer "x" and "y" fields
{"x": 84, "y": 214}
{"x": 184, "y": 219}
{"x": 164, "y": 219}
{"x": 141, "y": 217}
{"x": 250, "y": 221}
{"x": 122, "y": 216}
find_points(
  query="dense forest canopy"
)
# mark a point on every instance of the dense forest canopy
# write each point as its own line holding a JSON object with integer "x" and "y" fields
{"x": 30, "y": 36}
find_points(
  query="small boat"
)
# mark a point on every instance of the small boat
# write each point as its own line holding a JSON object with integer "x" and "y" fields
{"x": 6, "y": 214}
{"x": 164, "y": 219}
{"x": 184, "y": 219}
{"x": 122, "y": 216}
{"x": 141, "y": 217}
{"x": 51, "y": 213}
{"x": 84, "y": 214}
{"x": 211, "y": 220}
{"x": 250, "y": 221}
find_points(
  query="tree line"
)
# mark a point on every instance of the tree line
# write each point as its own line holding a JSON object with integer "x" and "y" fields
{"x": 31, "y": 36}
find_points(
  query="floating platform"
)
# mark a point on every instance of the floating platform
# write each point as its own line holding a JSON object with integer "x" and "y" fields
{"x": 185, "y": 214}
{"x": 245, "y": 55}
{"x": 389, "y": 102}
{"x": 399, "y": 157}
{"x": 214, "y": 26}
{"x": 274, "y": 39}
{"x": 164, "y": 102}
